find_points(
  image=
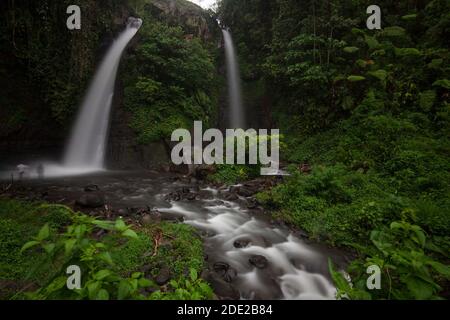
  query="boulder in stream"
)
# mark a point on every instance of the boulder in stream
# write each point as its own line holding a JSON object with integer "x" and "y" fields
{"x": 91, "y": 200}
{"x": 91, "y": 188}
{"x": 258, "y": 261}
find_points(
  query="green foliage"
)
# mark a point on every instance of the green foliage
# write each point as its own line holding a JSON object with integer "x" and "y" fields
{"x": 78, "y": 246}
{"x": 231, "y": 174}
{"x": 334, "y": 203}
{"x": 110, "y": 264}
{"x": 18, "y": 223}
{"x": 169, "y": 82}
{"x": 405, "y": 256}
{"x": 192, "y": 288}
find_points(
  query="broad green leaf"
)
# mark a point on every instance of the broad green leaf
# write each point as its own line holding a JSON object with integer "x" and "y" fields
{"x": 393, "y": 31}
{"x": 134, "y": 284}
{"x": 193, "y": 274}
{"x": 420, "y": 289}
{"x": 379, "y": 74}
{"x": 123, "y": 290}
{"x": 93, "y": 288}
{"x": 378, "y": 53}
{"x": 106, "y": 257}
{"x": 356, "y": 78}
{"x": 56, "y": 284}
{"x": 68, "y": 246}
{"x": 444, "y": 83}
{"x": 351, "y": 49}
{"x": 49, "y": 247}
{"x": 120, "y": 225}
{"x": 43, "y": 233}
{"x": 174, "y": 284}
{"x": 357, "y": 31}
{"x": 29, "y": 245}
{"x": 102, "y": 274}
{"x": 107, "y": 225}
{"x": 409, "y": 17}
{"x": 371, "y": 42}
{"x": 405, "y": 52}
{"x": 396, "y": 225}
{"x": 436, "y": 63}
{"x": 441, "y": 268}
{"x": 130, "y": 234}
{"x": 421, "y": 238}
{"x": 144, "y": 283}
{"x": 361, "y": 63}
{"x": 102, "y": 295}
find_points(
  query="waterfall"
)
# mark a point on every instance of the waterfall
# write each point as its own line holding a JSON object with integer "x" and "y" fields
{"x": 237, "y": 116}
{"x": 86, "y": 148}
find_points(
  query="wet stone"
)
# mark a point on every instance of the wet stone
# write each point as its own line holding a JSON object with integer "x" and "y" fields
{"x": 252, "y": 204}
{"x": 246, "y": 192}
{"x": 225, "y": 271}
{"x": 230, "y": 275}
{"x": 241, "y": 243}
{"x": 191, "y": 196}
{"x": 90, "y": 201}
{"x": 231, "y": 197}
{"x": 163, "y": 277}
{"x": 91, "y": 188}
{"x": 258, "y": 261}
{"x": 221, "y": 267}
{"x": 186, "y": 190}
{"x": 223, "y": 289}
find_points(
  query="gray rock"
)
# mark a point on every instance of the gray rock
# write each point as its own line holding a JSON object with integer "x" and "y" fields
{"x": 191, "y": 196}
{"x": 91, "y": 188}
{"x": 220, "y": 267}
{"x": 246, "y": 192}
{"x": 241, "y": 243}
{"x": 223, "y": 289}
{"x": 225, "y": 271}
{"x": 91, "y": 200}
{"x": 163, "y": 277}
{"x": 231, "y": 197}
{"x": 258, "y": 261}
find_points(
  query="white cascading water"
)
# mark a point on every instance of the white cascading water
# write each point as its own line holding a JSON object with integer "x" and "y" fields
{"x": 86, "y": 148}
{"x": 237, "y": 116}
{"x": 296, "y": 270}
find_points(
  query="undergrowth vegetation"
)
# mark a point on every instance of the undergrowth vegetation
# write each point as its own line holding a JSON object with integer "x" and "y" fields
{"x": 368, "y": 111}
{"x": 117, "y": 261}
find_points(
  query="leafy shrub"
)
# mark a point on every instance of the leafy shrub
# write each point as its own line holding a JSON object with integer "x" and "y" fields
{"x": 102, "y": 277}
{"x": 78, "y": 246}
{"x": 10, "y": 244}
{"x": 56, "y": 216}
{"x": 405, "y": 257}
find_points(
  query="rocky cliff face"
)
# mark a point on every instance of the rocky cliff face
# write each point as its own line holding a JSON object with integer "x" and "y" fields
{"x": 193, "y": 19}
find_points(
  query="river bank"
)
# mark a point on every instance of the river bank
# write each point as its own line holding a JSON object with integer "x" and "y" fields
{"x": 247, "y": 254}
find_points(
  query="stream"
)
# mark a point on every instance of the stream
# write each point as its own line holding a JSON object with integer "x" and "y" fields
{"x": 248, "y": 256}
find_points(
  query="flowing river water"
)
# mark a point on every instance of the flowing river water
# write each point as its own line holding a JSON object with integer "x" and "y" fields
{"x": 248, "y": 255}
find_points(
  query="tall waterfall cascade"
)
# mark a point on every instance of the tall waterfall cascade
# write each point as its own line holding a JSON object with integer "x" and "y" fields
{"x": 236, "y": 111}
{"x": 87, "y": 144}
